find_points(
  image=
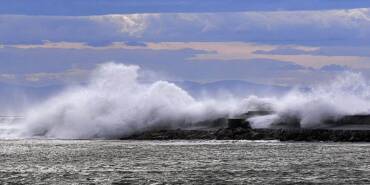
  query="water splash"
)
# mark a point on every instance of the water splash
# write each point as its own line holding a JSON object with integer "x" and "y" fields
{"x": 348, "y": 94}
{"x": 115, "y": 104}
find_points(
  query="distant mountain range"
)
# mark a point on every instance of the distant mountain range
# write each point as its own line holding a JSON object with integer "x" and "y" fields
{"x": 18, "y": 95}
{"x": 237, "y": 88}
{"x": 11, "y": 94}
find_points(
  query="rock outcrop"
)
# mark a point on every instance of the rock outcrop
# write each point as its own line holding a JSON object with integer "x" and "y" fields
{"x": 256, "y": 134}
{"x": 239, "y": 128}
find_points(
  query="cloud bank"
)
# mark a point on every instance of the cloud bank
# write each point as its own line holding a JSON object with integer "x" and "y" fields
{"x": 334, "y": 27}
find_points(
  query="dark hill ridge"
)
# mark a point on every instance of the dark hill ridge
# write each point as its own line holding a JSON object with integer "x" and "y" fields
{"x": 239, "y": 129}
{"x": 237, "y": 88}
{"x": 14, "y": 95}
{"x": 234, "y": 87}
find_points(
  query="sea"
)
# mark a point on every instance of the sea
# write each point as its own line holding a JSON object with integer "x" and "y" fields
{"x": 39, "y": 161}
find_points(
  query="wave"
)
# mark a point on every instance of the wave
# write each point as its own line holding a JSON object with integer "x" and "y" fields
{"x": 114, "y": 103}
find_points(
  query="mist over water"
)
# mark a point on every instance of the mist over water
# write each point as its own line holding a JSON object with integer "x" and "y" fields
{"x": 115, "y": 103}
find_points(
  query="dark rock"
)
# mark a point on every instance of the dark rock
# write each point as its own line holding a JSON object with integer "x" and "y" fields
{"x": 215, "y": 123}
{"x": 238, "y": 122}
{"x": 285, "y": 129}
{"x": 258, "y": 134}
{"x": 348, "y": 120}
{"x": 287, "y": 122}
{"x": 250, "y": 114}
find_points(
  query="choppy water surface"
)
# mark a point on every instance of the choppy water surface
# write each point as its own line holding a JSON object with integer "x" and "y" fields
{"x": 189, "y": 162}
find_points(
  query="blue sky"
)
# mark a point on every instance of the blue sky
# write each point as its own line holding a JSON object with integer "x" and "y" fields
{"x": 284, "y": 42}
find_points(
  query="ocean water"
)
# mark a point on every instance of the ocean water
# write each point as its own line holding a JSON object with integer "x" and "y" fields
{"x": 182, "y": 162}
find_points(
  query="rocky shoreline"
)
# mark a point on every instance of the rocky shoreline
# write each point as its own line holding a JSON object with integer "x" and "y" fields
{"x": 240, "y": 129}
{"x": 309, "y": 135}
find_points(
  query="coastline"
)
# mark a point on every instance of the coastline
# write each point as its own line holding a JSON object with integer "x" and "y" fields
{"x": 308, "y": 135}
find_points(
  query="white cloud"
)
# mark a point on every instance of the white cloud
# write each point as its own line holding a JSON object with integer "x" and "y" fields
{"x": 133, "y": 24}
{"x": 8, "y": 76}
{"x": 339, "y": 27}
{"x": 227, "y": 51}
{"x": 217, "y": 37}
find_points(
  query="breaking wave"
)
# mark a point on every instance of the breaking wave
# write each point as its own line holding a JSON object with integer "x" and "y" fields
{"x": 115, "y": 103}
{"x": 348, "y": 94}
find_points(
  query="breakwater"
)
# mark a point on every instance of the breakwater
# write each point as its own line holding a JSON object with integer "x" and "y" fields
{"x": 256, "y": 134}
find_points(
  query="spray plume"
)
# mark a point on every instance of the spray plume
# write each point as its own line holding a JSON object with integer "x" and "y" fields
{"x": 115, "y": 104}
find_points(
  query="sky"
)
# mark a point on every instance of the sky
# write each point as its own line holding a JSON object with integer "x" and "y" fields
{"x": 280, "y": 42}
